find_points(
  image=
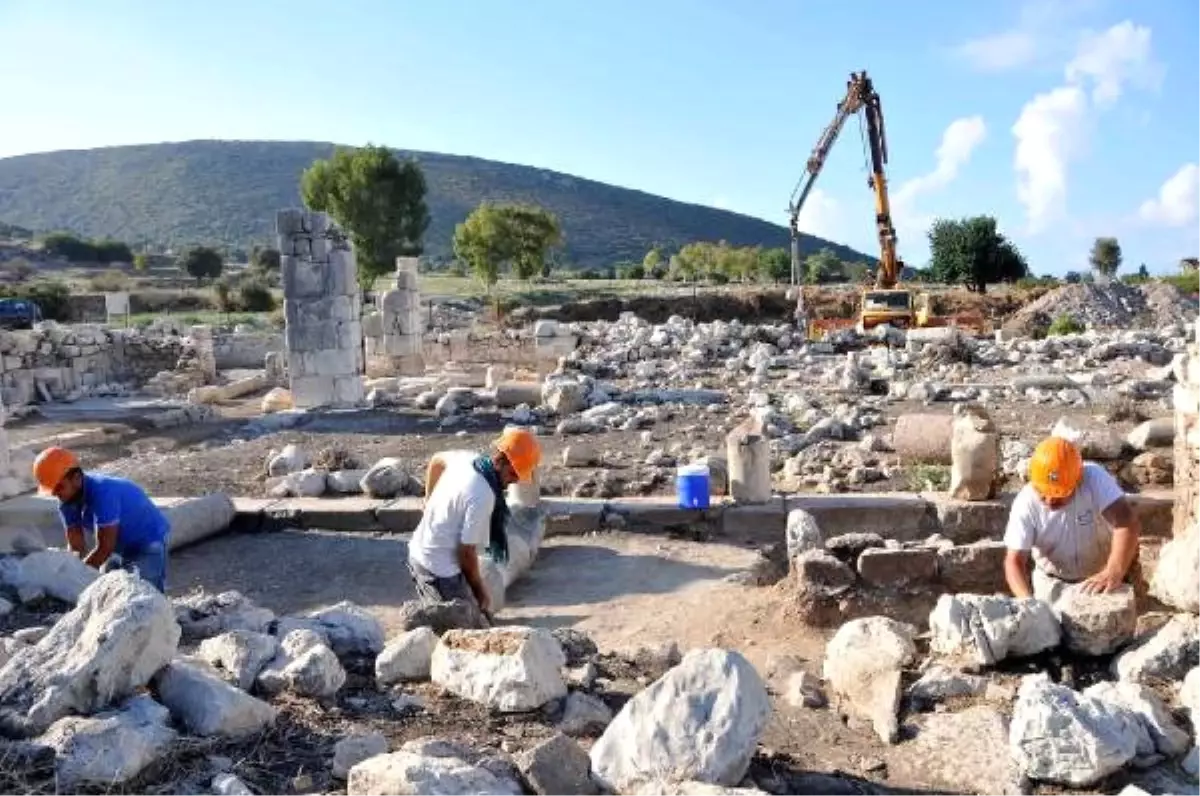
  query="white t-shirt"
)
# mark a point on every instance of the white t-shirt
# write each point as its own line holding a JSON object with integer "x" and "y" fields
{"x": 458, "y": 512}
{"x": 1072, "y": 542}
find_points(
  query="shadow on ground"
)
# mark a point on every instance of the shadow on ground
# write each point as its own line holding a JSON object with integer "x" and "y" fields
{"x": 573, "y": 574}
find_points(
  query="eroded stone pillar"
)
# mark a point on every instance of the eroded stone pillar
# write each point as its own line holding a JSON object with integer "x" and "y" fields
{"x": 1187, "y": 440}
{"x": 323, "y": 310}
{"x": 403, "y": 325}
{"x": 206, "y": 356}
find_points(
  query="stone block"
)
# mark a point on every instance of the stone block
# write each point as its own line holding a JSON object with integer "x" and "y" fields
{"x": 311, "y": 391}
{"x": 330, "y": 362}
{"x": 311, "y": 337}
{"x": 348, "y": 391}
{"x": 881, "y": 566}
{"x": 974, "y": 569}
{"x": 963, "y": 522}
{"x": 762, "y": 523}
{"x": 400, "y": 515}
{"x": 349, "y": 336}
{"x": 572, "y": 517}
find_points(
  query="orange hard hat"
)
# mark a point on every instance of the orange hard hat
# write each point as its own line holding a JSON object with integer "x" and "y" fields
{"x": 1056, "y": 468}
{"x": 50, "y": 466}
{"x": 522, "y": 450}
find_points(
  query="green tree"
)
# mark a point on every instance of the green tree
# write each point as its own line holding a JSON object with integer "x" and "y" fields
{"x": 496, "y": 236}
{"x": 1143, "y": 272}
{"x": 1105, "y": 256}
{"x": 775, "y": 265}
{"x": 378, "y": 199}
{"x": 202, "y": 262}
{"x": 1073, "y": 277}
{"x": 823, "y": 266}
{"x": 972, "y": 251}
{"x": 652, "y": 261}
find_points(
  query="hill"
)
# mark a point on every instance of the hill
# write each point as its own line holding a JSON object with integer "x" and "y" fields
{"x": 228, "y": 192}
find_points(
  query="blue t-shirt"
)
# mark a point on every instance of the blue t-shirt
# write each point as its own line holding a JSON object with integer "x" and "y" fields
{"x": 108, "y": 500}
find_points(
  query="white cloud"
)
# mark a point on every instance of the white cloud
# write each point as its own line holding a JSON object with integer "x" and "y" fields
{"x": 1052, "y": 128}
{"x": 1120, "y": 55}
{"x": 1178, "y": 200}
{"x": 820, "y": 216}
{"x": 959, "y": 141}
{"x": 1049, "y": 133}
{"x": 1001, "y": 52}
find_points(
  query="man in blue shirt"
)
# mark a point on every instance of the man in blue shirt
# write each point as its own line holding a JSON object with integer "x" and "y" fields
{"x": 120, "y": 513}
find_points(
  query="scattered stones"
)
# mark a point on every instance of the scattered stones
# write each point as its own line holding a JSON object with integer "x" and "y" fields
{"x": 387, "y": 478}
{"x": 111, "y": 747}
{"x": 408, "y": 772}
{"x": 863, "y": 663}
{"x": 289, "y": 460}
{"x": 584, "y": 714}
{"x": 57, "y": 573}
{"x": 507, "y": 669}
{"x": 351, "y": 630}
{"x": 1097, "y": 624}
{"x": 985, "y": 630}
{"x": 240, "y": 653}
{"x": 304, "y": 665}
{"x": 204, "y": 615}
{"x": 939, "y": 683}
{"x": 406, "y": 657}
{"x": 803, "y": 533}
{"x": 1176, "y": 581}
{"x": 1061, "y": 736}
{"x": 804, "y": 690}
{"x": 961, "y": 752}
{"x": 557, "y": 765}
{"x": 120, "y": 633}
{"x": 704, "y": 716}
{"x": 440, "y": 617}
{"x": 207, "y": 705}
{"x": 229, "y": 785}
{"x": 1169, "y": 739}
{"x": 353, "y": 749}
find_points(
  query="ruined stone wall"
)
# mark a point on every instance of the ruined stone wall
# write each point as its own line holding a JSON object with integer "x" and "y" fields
{"x": 245, "y": 349}
{"x": 394, "y": 334}
{"x": 323, "y": 310}
{"x": 1187, "y": 440}
{"x": 56, "y": 361}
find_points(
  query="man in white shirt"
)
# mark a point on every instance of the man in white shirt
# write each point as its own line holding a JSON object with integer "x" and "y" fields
{"x": 1072, "y": 518}
{"x": 465, "y": 509}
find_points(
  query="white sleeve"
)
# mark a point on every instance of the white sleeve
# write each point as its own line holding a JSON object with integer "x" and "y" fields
{"x": 477, "y": 517}
{"x": 1021, "y": 532}
{"x": 1105, "y": 489}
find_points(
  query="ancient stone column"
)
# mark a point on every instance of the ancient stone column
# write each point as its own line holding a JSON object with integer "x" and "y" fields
{"x": 1187, "y": 440}
{"x": 206, "y": 356}
{"x": 403, "y": 325}
{"x": 322, "y": 309}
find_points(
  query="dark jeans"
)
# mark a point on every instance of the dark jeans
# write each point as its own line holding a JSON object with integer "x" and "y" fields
{"x": 148, "y": 563}
{"x": 432, "y": 589}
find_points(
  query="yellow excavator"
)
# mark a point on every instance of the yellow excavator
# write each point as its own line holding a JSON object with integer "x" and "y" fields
{"x": 885, "y": 302}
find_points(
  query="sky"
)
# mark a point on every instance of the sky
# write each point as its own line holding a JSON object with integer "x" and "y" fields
{"x": 1064, "y": 119}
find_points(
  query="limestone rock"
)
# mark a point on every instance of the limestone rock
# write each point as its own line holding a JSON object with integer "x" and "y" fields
{"x": 353, "y": 749}
{"x": 207, "y": 705}
{"x": 1101, "y": 444}
{"x": 939, "y": 683}
{"x": 204, "y": 615}
{"x": 352, "y": 630}
{"x": 278, "y": 399}
{"x": 305, "y": 483}
{"x": 440, "y": 617}
{"x": 111, "y": 747}
{"x": 1176, "y": 581}
{"x": 1169, "y": 738}
{"x": 58, "y": 573}
{"x": 974, "y": 454}
{"x": 804, "y": 690}
{"x": 803, "y": 533}
{"x": 557, "y": 765}
{"x": 1097, "y": 624}
{"x": 407, "y": 657}
{"x": 700, "y": 721}
{"x": 289, "y": 460}
{"x": 1156, "y": 433}
{"x": 344, "y": 482}
{"x": 387, "y": 478}
{"x": 241, "y": 653}
{"x": 305, "y": 665}
{"x": 959, "y": 752}
{"x": 508, "y": 669}
{"x": 863, "y": 663}
{"x": 405, "y": 772}
{"x": 1167, "y": 654}
{"x": 1189, "y": 694}
{"x": 988, "y": 629}
{"x": 114, "y": 640}
{"x": 584, "y": 714}
{"x": 1058, "y": 735}
{"x": 226, "y": 784}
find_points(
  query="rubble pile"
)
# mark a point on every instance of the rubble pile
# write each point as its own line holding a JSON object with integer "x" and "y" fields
{"x": 56, "y": 362}
{"x": 1106, "y": 306}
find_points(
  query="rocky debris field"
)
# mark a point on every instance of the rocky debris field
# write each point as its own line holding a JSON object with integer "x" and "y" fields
{"x": 636, "y": 400}
{"x": 108, "y": 686}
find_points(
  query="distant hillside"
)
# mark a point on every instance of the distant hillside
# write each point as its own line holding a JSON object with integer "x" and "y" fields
{"x": 228, "y": 192}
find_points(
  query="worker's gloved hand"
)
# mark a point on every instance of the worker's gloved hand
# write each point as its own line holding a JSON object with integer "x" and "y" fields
{"x": 113, "y": 563}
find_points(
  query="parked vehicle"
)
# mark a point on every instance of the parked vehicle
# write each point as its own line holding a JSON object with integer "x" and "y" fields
{"x": 19, "y": 313}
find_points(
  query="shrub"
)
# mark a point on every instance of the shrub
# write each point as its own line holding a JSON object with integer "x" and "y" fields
{"x": 110, "y": 281}
{"x": 223, "y": 289}
{"x": 1064, "y": 324}
{"x": 254, "y": 295}
{"x": 1188, "y": 282}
